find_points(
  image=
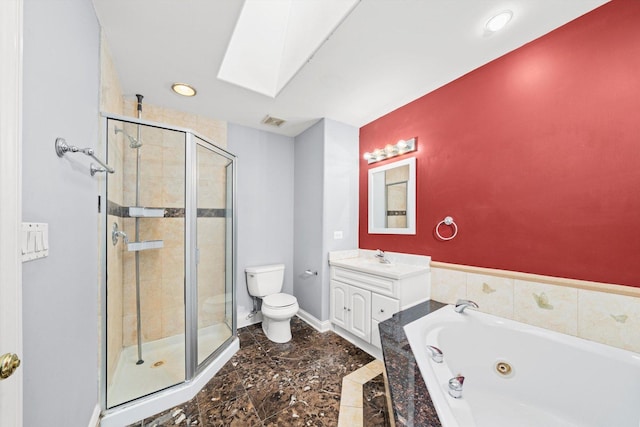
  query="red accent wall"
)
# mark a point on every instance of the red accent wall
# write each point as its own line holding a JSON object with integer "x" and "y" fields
{"x": 536, "y": 155}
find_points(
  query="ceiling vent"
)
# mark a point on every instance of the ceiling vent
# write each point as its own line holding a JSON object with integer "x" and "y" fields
{"x": 273, "y": 121}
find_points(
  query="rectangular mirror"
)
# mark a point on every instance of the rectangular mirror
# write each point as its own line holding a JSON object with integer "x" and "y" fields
{"x": 392, "y": 198}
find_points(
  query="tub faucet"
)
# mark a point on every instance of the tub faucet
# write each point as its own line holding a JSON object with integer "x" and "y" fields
{"x": 436, "y": 353}
{"x": 455, "y": 386}
{"x": 382, "y": 257}
{"x": 463, "y": 304}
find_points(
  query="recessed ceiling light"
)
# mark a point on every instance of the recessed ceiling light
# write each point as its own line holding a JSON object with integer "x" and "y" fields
{"x": 498, "y": 22}
{"x": 183, "y": 89}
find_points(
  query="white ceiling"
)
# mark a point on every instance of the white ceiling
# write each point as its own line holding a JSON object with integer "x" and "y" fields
{"x": 385, "y": 54}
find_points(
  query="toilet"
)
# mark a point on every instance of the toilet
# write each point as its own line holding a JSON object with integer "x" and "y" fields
{"x": 277, "y": 308}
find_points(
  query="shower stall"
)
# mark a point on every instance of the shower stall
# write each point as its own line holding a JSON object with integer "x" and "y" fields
{"x": 168, "y": 260}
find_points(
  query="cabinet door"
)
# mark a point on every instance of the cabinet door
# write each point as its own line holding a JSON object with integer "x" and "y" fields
{"x": 360, "y": 312}
{"x": 338, "y": 304}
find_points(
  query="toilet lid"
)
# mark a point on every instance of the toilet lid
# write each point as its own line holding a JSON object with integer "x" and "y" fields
{"x": 279, "y": 300}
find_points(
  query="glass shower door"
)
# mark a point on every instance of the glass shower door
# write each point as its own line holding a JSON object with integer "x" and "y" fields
{"x": 145, "y": 306}
{"x": 168, "y": 260}
{"x": 214, "y": 249}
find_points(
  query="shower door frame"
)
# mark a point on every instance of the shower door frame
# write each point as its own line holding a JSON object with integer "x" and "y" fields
{"x": 192, "y": 369}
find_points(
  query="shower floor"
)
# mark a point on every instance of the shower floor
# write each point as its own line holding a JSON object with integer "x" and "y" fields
{"x": 164, "y": 364}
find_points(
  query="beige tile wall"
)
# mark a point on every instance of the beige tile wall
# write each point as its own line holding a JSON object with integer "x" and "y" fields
{"x": 162, "y": 172}
{"x": 603, "y": 315}
{"x": 212, "y": 129}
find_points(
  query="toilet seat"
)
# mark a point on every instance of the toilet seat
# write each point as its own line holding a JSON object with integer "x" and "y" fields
{"x": 279, "y": 301}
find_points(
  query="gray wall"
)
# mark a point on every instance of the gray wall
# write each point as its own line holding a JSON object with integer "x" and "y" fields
{"x": 60, "y": 312}
{"x": 326, "y": 201}
{"x": 309, "y": 164}
{"x": 265, "y": 204}
{"x": 341, "y": 192}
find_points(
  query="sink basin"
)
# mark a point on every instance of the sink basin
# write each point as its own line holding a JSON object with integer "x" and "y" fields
{"x": 373, "y": 266}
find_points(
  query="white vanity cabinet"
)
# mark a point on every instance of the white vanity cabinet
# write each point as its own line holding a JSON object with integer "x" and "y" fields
{"x": 351, "y": 309}
{"x": 364, "y": 293}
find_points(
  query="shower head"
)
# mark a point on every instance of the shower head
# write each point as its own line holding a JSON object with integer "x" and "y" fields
{"x": 133, "y": 143}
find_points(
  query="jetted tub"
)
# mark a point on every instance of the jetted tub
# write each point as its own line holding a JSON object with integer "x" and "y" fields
{"x": 524, "y": 376}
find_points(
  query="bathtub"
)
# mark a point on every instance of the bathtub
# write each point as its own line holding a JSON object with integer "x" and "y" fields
{"x": 524, "y": 376}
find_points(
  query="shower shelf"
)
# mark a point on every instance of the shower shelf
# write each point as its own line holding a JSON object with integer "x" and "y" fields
{"x": 140, "y": 212}
{"x": 145, "y": 245}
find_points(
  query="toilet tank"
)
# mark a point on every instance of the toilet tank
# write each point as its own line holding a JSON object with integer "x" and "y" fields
{"x": 265, "y": 279}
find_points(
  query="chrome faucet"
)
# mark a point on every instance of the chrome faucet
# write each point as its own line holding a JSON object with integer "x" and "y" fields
{"x": 436, "y": 353}
{"x": 463, "y": 304}
{"x": 382, "y": 257}
{"x": 455, "y": 386}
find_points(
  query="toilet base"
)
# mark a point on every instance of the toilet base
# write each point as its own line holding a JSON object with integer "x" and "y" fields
{"x": 278, "y": 331}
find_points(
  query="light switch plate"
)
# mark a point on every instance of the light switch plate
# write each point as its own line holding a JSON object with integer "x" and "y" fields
{"x": 337, "y": 235}
{"x": 35, "y": 240}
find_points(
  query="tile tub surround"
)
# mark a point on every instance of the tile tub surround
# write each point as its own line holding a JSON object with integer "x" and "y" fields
{"x": 268, "y": 384}
{"x": 411, "y": 403}
{"x": 600, "y": 312}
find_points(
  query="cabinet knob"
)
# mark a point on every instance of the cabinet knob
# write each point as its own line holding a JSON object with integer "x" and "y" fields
{"x": 348, "y": 309}
{"x": 344, "y": 308}
{"x": 382, "y": 310}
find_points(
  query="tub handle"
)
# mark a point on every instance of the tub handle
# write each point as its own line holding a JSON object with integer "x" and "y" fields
{"x": 455, "y": 386}
{"x": 436, "y": 353}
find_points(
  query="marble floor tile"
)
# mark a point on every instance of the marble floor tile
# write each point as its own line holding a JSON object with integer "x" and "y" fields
{"x": 375, "y": 403}
{"x": 292, "y": 384}
{"x": 220, "y": 389}
{"x": 238, "y": 412}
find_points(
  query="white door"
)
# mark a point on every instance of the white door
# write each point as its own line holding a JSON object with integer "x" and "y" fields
{"x": 10, "y": 206}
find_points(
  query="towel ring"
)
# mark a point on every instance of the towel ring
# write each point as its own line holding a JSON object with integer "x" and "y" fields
{"x": 447, "y": 221}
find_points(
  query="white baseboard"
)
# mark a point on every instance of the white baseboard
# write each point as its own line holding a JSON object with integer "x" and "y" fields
{"x": 94, "y": 421}
{"x": 314, "y": 322}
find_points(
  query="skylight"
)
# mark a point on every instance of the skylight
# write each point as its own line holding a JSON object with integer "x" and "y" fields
{"x": 273, "y": 39}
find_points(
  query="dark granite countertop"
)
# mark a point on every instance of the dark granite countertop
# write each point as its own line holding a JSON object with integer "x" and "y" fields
{"x": 412, "y": 406}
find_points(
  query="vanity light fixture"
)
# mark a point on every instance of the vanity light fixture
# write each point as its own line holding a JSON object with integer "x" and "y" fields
{"x": 401, "y": 147}
{"x": 183, "y": 89}
{"x": 499, "y": 21}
